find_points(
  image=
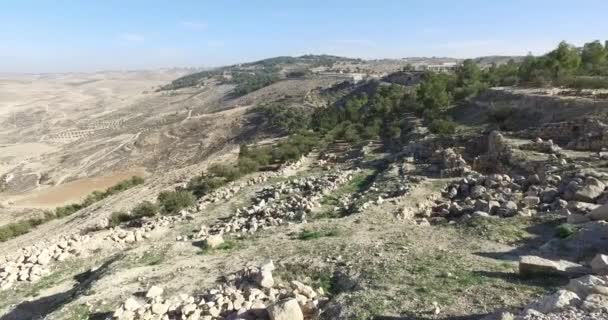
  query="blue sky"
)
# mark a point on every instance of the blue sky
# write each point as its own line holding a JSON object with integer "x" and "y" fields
{"x": 88, "y": 35}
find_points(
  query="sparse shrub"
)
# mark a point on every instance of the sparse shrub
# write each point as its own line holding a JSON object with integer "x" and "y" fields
{"x": 306, "y": 234}
{"x": 118, "y": 217}
{"x": 171, "y": 202}
{"x": 145, "y": 209}
{"x": 247, "y": 165}
{"x": 203, "y": 184}
{"x": 228, "y": 172}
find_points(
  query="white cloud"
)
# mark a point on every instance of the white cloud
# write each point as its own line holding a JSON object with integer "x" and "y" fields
{"x": 131, "y": 37}
{"x": 194, "y": 25}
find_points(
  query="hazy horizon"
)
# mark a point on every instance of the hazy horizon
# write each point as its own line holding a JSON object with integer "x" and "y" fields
{"x": 43, "y": 37}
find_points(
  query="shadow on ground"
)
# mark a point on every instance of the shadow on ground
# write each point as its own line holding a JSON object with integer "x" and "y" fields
{"x": 467, "y": 317}
{"x": 42, "y": 307}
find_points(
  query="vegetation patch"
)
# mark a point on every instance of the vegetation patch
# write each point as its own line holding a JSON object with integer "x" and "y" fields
{"x": 502, "y": 230}
{"x": 566, "y": 230}
{"x": 171, "y": 202}
{"x": 227, "y": 245}
{"x": 307, "y": 234}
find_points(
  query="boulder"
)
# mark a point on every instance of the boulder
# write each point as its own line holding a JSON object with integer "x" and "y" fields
{"x": 599, "y": 264}
{"x": 600, "y": 213}
{"x": 537, "y": 266}
{"x": 285, "y": 310}
{"x": 591, "y": 189}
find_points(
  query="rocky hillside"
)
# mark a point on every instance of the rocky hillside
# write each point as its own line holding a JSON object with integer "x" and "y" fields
{"x": 312, "y": 197}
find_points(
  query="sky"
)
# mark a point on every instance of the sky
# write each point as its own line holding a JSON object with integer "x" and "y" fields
{"x": 94, "y": 35}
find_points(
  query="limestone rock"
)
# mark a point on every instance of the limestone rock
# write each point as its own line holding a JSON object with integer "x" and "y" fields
{"x": 285, "y": 310}
{"x": 154, "y": 292}
{"x": 595, "y": 302}
{"x": 537, "y": 266}
{"x": 213, "y": 241}
{"x": 556, "y": 302}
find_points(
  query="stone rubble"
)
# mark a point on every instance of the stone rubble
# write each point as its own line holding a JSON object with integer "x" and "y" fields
{"x": 572, "y": 194}
{"x": 227, "y": 192}
{"x": 448, "y": 163}
{"x": 282, "y": 203}
{"x": 31, "y": 263}
{"x": 248, "y": 294}
{"x": 137, "y": 234}
{"x": 543, "y": 146}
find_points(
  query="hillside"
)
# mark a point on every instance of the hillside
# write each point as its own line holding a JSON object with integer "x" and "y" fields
{"x": 312, "y": 187}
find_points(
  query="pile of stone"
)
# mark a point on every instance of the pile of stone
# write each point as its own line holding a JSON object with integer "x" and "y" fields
{"x": 538, "y": 145}
{"x": 573, "y": 195}
{"x": 227, "y": 192}
{"x": 220, "y": 194}
{"x": 448, "y": 163}
{"x": 279, "y": 204}
{"x": 127, "y": 236}
{"x": 31, "y": 263}
{"x": 141, "y": 232}
{"x": 249, "y": 294}
{"x": 481, "y": 195}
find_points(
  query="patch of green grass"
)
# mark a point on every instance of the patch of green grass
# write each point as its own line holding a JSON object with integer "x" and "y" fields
{"x": 501, "y": 230}
{"x": 318, "y": 277}
{"x": 306, "y": 234}
{"x": 151, "y": 258}
{"x": 76, "y": 312}
{"x": 227, "y": 245}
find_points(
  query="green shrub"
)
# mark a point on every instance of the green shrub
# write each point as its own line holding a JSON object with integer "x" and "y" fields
{"x": 15, "y": 229}
{"x": 584, "y": 82}
{"x": 442, "y": 127}
{"x": 247, "y": 165}
{"x": 145, "y": 209}
{"x": 171, "y": 202}
{"x": 565, "y": 230}
{"x": 500, "y": 114}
